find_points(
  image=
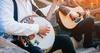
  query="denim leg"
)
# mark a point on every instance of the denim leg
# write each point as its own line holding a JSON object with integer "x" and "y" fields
{"x": 33, "y": 49}
{"x": 64, "y": 43}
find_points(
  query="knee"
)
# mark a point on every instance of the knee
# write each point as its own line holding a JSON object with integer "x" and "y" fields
{"x": 67, "y": 40}
{"x": 89, "y": 19}
{"x": 77, "y": 37}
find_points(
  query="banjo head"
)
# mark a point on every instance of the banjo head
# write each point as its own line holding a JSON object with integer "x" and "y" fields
{"x": 48, "y": 40}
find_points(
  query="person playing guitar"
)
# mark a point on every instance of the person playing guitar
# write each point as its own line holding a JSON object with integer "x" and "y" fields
{"x": 72, "y": 16}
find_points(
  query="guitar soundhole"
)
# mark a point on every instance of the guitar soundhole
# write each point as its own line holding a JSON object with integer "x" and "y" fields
{"x": 75, "y": 19}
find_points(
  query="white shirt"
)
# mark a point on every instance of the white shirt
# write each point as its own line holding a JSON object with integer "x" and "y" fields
{"x": 53, "y": 19}
{"x": 9, "y": 25}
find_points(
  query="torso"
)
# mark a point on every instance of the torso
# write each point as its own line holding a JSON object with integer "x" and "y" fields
{"x": 24, "y": 9}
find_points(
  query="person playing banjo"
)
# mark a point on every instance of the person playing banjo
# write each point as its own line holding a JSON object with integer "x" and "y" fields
{"x": 14, "y": 21}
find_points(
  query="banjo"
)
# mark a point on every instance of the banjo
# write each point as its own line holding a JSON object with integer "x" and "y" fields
{"x": 45, "y": 42}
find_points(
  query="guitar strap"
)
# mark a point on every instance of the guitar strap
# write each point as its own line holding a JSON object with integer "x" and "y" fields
{"x": 15, "y": 15}
{"x": 34, "y": 8}
{"x": 15, "y": 11}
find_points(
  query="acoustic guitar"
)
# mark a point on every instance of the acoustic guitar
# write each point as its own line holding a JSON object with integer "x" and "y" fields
{"x": 67, "y": 21}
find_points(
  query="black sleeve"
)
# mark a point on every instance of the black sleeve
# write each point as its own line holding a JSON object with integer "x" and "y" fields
{"x": 64, "y": 10}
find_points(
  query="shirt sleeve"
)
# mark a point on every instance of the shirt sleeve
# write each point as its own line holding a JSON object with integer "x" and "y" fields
{"x": 9, "y": 25}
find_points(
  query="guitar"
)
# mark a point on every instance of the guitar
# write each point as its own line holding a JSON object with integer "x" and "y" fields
{"x": 67, "y": 21}
{"x": 45, "y": 42}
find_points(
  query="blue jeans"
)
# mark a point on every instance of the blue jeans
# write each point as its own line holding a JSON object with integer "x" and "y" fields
{"x": 61, "y": 42}
{"x": 33, "y": 49}
{"x": 64, "y": 43}
{"x": 85, "y": 27}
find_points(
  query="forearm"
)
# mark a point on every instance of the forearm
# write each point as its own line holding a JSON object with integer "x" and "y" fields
{"x": 22, "y": 29}
{"x": 9, "y": 25}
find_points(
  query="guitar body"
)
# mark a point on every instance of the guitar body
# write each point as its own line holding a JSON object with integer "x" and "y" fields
{"x": 48, "y": 40}
{"x": 66, "y": 21}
